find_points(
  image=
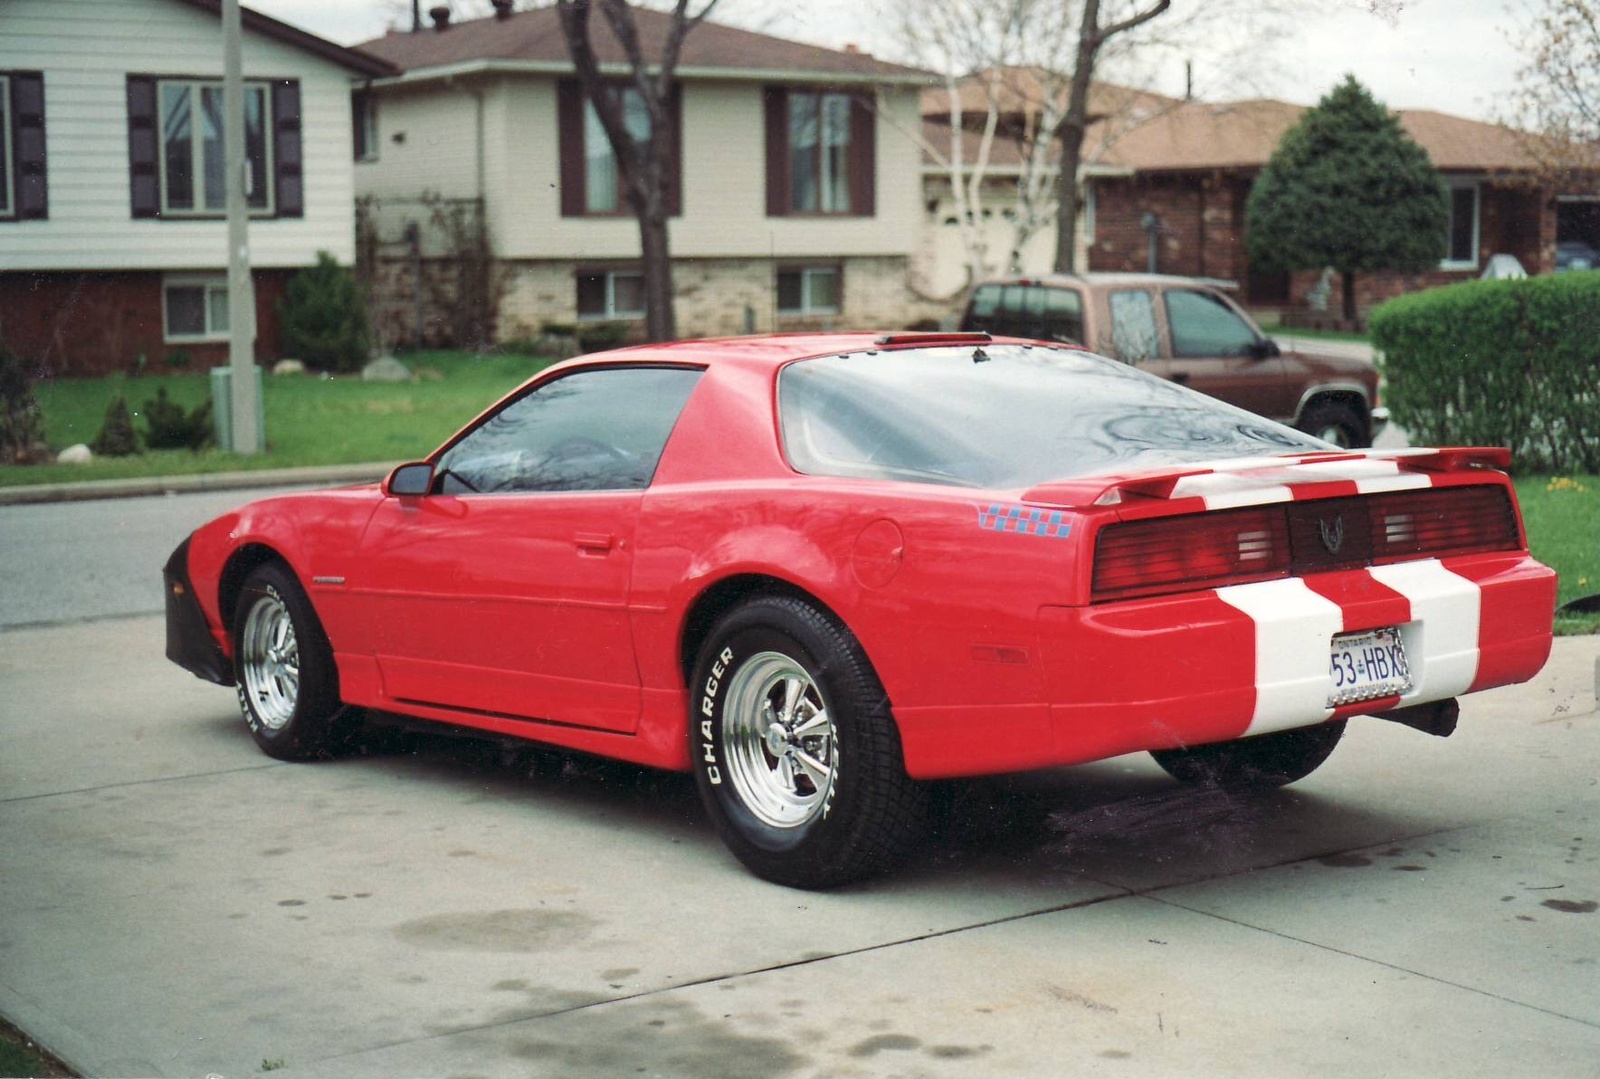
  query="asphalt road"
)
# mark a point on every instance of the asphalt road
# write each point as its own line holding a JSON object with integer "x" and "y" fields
{"x": 174, "y": 903}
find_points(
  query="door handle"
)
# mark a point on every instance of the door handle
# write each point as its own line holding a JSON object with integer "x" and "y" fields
{"x": 594, "y": 542}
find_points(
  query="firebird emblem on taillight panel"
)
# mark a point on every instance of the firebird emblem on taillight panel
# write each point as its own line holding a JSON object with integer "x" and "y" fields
{"x": 1332, "y": 534}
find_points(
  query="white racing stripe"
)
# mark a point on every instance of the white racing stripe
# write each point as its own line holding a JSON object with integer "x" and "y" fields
{"x": 1294, "y": 628}
{"x": 1407, "y": 481}
{"x": 1441, "y": 640}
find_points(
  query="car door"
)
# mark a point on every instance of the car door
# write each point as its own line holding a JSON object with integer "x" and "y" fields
{"x": 505, "y": 589}
{"x": 1215, "y": 349}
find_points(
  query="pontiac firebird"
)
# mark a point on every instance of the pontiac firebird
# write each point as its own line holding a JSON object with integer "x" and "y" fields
{"x": 818, "y": 570}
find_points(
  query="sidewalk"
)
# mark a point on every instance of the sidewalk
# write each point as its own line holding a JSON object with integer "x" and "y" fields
{"x": 318, "y": 475}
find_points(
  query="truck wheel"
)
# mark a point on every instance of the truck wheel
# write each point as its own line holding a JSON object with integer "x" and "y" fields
{"x": 797, "y": 757}
{"x": 1260, "y": 763}
{"x": 1334, "y": 422}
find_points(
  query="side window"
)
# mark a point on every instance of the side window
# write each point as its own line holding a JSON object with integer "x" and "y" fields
{"x": 1045, "y": 313}
{"x": 1133, "y": 326}
{"x": 590, "y": 431}
{"x": 1204, "y": 325}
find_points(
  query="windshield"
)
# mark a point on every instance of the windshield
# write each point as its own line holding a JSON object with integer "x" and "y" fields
{"x": 1004, "y": 416}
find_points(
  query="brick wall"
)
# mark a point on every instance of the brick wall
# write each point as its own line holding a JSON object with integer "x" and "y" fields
{"x": 91, "y": 324}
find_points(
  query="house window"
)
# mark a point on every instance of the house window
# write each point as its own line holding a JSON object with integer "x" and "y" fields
{"x": 610, "y": 294}
{"x": 591, "y": 178}
{"x": 1462, "y": 252}
{"x": 364, "y": 125}
{"x": 193, "y": 177}
{"x": 22, "y": 146}
{"x": 175, "y": 148}
{"x": 808, "y": 290}
{"x": 195, "y": 308}
{"x": 821, "y": 149}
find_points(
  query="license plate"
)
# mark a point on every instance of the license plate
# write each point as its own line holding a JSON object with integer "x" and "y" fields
{"x": 1366, "y": 666}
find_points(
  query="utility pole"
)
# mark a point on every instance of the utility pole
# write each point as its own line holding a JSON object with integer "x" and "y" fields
{"x": 247, "y": 436}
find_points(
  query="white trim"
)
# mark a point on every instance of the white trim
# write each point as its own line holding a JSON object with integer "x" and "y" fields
{"x": 8, "y": 146}
{"x": 806, "y": 306}
{"x": 1293, "y": 628}
{"x": 563, "y": 69}
{"x": 611, "y": 313}
{"x": 208, "y": 283}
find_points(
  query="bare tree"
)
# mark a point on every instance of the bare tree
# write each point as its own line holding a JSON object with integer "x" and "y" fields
{"x": 1557, "y": 102}
{"x": 647, "y": 164}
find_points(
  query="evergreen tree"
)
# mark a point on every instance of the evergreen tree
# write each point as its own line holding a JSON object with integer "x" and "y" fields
{"x": 324, "y": 321}
{"x": 1347, "y": 188}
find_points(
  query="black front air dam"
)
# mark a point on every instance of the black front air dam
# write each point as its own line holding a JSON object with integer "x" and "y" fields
{"x": 189, "y": 641}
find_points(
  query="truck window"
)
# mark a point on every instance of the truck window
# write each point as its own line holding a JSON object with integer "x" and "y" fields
{"x": 1204, "y": 325}
{"x": 1133, "y": 326}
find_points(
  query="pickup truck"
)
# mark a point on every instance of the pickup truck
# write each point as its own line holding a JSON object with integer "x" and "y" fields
{"x": 1190, "y": 331}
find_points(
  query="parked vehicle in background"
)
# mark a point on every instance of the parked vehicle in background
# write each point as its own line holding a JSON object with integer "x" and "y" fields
{"x": 1576, "y": 255}
{"x": 1187, "y": 330}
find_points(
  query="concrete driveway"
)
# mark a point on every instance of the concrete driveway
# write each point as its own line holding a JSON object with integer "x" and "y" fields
{"x": 174, "y": 903}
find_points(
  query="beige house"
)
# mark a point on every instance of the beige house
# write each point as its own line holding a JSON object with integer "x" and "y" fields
{"x": 487, "y": 180}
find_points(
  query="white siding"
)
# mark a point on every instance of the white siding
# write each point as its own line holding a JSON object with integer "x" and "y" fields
{"x": 86, "y": 48}
{"x": 724, "y": 176}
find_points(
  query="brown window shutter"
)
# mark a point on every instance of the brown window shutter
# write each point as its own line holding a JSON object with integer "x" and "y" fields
{"x": 675, "y": 147}
{"x": 776, "y": 100}
{"x": 144, "y": 147}
{"x": 569, "y": 132}
{"x": 286, "y": 162}
{"x": 27, "y": 117}
{"x": 863, "y": 157}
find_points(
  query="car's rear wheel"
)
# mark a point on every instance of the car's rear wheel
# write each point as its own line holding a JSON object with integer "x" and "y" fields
{"x": 1333, "y": 421}
{"x": 1260, "y": 763}
{"x": 797, "y": 756}
{"x": 288, "y": 686}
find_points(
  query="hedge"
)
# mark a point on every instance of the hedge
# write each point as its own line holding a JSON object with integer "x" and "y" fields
{"x": 1499, "y": 363}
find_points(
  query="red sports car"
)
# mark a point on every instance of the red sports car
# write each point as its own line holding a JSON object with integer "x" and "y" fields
{"x": 820, "y": 569}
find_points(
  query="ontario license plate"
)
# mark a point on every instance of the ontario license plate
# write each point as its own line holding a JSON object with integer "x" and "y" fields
{"x": 1366, "y": 666}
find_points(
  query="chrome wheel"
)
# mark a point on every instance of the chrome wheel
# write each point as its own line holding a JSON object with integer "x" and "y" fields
{"x": 269, "y": 660}
{"x": 1337, "y": 435}
{"x": 782, "y": 748}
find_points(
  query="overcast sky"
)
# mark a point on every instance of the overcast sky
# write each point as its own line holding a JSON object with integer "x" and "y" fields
{"x": 1455, "y": 56}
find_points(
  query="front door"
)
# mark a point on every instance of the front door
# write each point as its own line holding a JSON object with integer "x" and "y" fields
{"x": 1216, "y": 350}
{"x": 505, "y": 589}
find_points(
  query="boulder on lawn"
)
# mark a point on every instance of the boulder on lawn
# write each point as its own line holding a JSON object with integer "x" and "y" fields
{"x": 75, "y": 455}
{"x": 288, "y": 367}
{"x": 386, "y": 369}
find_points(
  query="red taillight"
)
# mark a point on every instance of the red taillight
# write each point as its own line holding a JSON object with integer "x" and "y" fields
{"x": 1441, "y": 522}
{"x": 1209, "y": 550}
{"x": 1171, "y": 554}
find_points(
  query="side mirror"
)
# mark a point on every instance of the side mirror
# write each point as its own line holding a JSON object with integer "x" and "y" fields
{"x": 1265, "y": 348}
{"x": 412, "y": 479}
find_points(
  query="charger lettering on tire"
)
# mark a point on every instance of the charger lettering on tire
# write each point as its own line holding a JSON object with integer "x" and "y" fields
{"x": 713, "y": 683}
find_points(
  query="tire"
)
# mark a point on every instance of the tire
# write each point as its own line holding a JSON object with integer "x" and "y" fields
{"x": 1334, "y": 422}
{"x": 283, "y": 665}
{"x": 1260, "y": 763}
{"x": 797, "y": 756}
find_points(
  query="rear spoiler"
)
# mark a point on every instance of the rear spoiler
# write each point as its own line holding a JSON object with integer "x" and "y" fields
{"x": 1240, "y": 474}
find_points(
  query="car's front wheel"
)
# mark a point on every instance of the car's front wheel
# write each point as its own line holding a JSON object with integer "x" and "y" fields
{"x": 1260, "y": 763}
{"x": 797, "y": 756}
{"x": 283, "y": 664}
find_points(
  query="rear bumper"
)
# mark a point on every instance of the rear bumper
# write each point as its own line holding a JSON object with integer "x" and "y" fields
{"x": 189, "y": 641}
{"x": 1232, "y": 662}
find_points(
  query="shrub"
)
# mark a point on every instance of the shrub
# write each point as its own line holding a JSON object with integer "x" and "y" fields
{"x": 599, "y": 336}
{"x": 324, "y": 319}
{"x": 117, "y": 437}
{"x": 168, "y": 426}
{"x": 21, "y": 424}
{"x": 1499, "y": 363}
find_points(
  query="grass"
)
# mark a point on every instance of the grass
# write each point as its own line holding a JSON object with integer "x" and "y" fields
{"x": 1562, "y": 514}
{"x": 20, "y": 1056}
{"x": 310, "y": 420}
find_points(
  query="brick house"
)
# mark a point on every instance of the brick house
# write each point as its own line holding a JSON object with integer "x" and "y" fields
{"x": 1178, "y": 172}
{"x": 113, "y": 243}
{"x": 797, "y": 202}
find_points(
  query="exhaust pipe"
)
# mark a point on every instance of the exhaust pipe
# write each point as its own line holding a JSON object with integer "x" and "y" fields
{"x": 1437, "y": 718}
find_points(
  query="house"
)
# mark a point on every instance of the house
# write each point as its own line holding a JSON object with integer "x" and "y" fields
{"x": 491, "y": 196}
{"x": 1167, "y": 179}
{"x": 113, "y": 243}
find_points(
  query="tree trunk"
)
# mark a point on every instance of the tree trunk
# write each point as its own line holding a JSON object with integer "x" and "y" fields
{"x": 660, "y": 320}
{"x": 1348, "y": 279}
{"x": 1070, "y": 133}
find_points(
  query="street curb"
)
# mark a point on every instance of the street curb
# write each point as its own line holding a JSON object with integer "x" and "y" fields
{"x": 316, "y": 476}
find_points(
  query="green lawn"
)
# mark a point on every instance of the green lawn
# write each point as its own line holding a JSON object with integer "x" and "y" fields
{"x": 310, "y": 420}
{"x": 1562, "y": 514}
